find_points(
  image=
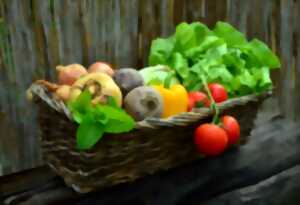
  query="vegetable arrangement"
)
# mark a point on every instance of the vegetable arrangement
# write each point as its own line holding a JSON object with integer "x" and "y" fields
{"x": 195, "y": 67}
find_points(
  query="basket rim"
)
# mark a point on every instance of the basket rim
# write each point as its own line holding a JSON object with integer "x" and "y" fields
{"x": 182, "y": 119}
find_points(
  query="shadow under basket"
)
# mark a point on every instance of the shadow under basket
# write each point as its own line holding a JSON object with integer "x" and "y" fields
{"x": 154, "y": 145}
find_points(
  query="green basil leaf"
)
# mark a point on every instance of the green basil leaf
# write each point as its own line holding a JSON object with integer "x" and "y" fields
{"x": 119, "y": 126}
{"x": 125, "y": 121}
{"x": 112, "y": 101}
{"x": 89, "y": 133}
{"x": 77, "y": 116}
{"x": 82, "y": 104}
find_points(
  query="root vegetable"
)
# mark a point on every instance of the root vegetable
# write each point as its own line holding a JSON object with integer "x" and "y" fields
{"x": 128, "y": 79}
{"x": 63, "y": 92}
{"x": 100, "y": 85}
{"x": 67, "y": 75}
{"x": 101, "y": 67}
{"x": 143, "y": 102}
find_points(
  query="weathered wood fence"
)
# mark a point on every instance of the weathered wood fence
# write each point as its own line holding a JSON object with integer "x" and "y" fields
{"x": 37, "y": 35}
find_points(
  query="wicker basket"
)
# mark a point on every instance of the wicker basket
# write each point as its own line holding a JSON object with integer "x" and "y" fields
{"x": 155, "y": 144}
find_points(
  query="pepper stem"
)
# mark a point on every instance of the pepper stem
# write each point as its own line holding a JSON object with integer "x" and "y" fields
{"x": 213, "y": 104}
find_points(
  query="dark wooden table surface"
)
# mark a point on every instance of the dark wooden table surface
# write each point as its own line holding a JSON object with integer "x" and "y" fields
{"x": 274, "y": 149}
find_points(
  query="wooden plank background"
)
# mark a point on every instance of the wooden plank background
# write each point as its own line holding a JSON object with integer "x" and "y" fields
{"x": 36, "y": 35}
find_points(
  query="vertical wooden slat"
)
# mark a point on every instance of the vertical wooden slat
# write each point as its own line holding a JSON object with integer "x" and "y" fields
{"x": 286, "y": 37}
{"x": 109, "y": 26}
{"x": 149, "y": 27}
{"x": 100, "y": 32}
{"x": 69, "y": 35}
{"x": 128, "y": 50}
{"x": 23, "y": 51}
{"x": 179, "y": 11}
{"x": 211, "y": 8}
{"x": 297, "y": 57}
{"x": 166, "y": 17}
{"x": 115, "y": 39}
{"x": 196, "y": 10}
{"x": 275, "y": 27}
{"x": 232, "y": 11}
{"x": 237, "y": 13}
{"x": 44, "y": 18}
{"x": 88, "y": 27}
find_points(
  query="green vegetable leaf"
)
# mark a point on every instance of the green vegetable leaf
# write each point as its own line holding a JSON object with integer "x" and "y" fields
{"x": 119, "y": 126}
{"x": 219, "y": 74}
{"x": 221, "y": 55}
{"x": 264, "y": 54}
{"x": 180, "y": 64}
{"x": 208, "y": 42}
{"x": 231, "y": 36}
{"x": 82, "y": 102}
{"x": 185, "y": 37}
{"x": 161, "y": 50}
{"x": 111, "y": 101}
{"x": 156, "y": 75}
{"x": 192, "y": 83}
{"x": 262, "y": 76}
{"x": 89, "y": 132}
{"x": 233, "y": 61}
{"x": 124, "y": 122}
{"x": 95, "y": 120}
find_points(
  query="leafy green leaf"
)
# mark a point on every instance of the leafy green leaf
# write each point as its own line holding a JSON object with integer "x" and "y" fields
{"x": 264, "y": 54}
{"x": 208, "y": 42}
{"x": 219, "y": 74}
{"x": 233, "y": 61}
{"x": 221, "y": 55}
{"x": 156, "y": 75}
{"x": 262, "y": 76}
{"x": 185, "y": 37}
{"x": 161, "y": 50}
{"x": 231, "y": 36}
{"x": 88, "y": 133}
{"x": 192, "y": 83}
{"x": 180, "y": 64}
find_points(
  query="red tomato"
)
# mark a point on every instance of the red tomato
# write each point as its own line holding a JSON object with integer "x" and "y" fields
{"x": 210, "y": 139}
{"x": 218, "y": 92}
{"x": 232, "y": 128}
{"x": 198, "y": 97}
{"x": 191, "y": 104}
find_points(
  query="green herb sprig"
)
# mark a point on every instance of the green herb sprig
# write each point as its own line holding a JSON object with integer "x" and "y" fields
{"x": 95, "y": 120}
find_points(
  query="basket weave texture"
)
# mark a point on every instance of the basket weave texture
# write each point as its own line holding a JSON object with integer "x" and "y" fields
{"x": 154, "y": 145}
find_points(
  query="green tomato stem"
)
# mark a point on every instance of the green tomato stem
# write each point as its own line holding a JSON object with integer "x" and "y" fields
{"x": 213, "y": 103}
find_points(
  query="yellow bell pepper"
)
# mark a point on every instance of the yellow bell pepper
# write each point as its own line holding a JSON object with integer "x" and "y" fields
{"x": 175, "y": 99}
